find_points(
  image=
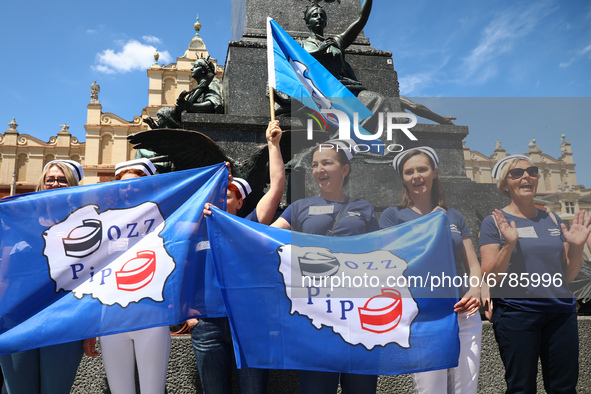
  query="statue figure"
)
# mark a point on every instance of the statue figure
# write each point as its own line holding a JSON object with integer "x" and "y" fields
{"x": 330, "y": 52}
{"x": 94, "y": 91}
{"x": 167, "y": 118}
{"x": 205, "y": 98}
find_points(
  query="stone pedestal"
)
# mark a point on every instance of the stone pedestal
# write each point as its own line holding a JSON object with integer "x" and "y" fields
{"x": 246, "y": 103}
{"x": 249, "y": 17}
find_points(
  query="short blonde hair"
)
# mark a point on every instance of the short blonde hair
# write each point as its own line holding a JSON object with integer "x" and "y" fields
{"x": 502, "y": 181}
{"x": 66, "y": 169}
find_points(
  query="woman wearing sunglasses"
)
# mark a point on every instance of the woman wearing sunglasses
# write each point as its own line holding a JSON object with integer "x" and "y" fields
{"x": 49, "y": 369}
{"x": 528, "y": 258}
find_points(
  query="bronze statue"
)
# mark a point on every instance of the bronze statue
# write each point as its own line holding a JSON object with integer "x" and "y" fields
{"x": 422, "y": 111}
{"x": 330, "y": 52}
{"x": 205, "y": 98}
{"x": 167, "y": 118}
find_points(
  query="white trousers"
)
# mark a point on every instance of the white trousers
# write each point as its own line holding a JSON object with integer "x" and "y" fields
{"x": 463, "y": 378}
{"x": 149, "y": 347}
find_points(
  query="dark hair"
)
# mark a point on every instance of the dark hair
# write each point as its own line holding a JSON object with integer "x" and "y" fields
{"x": 437, "y": 196}
{"x": 341, "y": 157}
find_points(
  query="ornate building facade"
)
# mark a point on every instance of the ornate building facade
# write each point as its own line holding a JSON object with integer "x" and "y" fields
{"x": 22, "y": 156}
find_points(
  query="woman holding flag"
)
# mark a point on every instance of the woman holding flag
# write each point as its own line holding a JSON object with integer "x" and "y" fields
{"x": 211, "y": 337}
{"x": 422, "y": 193}
{"x": 332, "y": 213}
{"x": 534, "y": 313}
{"x": 148, "y": 348}
{"x": 49, "y": 369}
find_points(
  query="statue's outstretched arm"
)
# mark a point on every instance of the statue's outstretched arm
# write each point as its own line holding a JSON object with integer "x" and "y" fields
{"x": 355, "y": 28}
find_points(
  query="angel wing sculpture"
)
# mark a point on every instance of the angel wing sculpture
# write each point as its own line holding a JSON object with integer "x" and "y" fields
{"x": 187, "y": 149}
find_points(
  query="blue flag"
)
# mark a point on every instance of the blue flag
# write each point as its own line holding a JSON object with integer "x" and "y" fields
{"x": 361, "y": 304}
{"x": 293, "y": 71}
{"x": 86, "y": 261}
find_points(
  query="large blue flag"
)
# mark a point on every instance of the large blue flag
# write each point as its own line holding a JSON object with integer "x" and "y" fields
{"x": 293, "y": 71}
{"x": 371, "y": 304}
{"x": 91, "y": 260}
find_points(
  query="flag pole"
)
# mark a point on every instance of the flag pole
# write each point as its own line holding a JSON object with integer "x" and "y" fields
{"x": 271, "y": 103}
{"x": 270, "y": 68}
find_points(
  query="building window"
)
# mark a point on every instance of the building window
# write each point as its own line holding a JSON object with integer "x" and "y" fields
{"x": 21, "y": 168}
{"x": 476, "y": 174}
{"x": 548, "y": 180}
{"x": 169, "y": 91}
{"x": 106, "y": 150}
{"x": 570, "y": 207}
{"x": 47, "y": 159}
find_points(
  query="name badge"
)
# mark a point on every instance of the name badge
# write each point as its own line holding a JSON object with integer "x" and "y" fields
{"x": 527, "y": 232}
{"x": 321, "y": 210}
{"x": 202, "y": 245}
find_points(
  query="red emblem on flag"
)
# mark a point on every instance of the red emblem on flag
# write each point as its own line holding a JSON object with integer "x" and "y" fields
{"x": 382, "y": 313}
{"x": 137, "y": 272}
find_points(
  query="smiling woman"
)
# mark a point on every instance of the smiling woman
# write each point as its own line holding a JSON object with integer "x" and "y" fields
{"x": 49, "y": 369}
{"x": 532, "y": 318}
{"x": 332, "y": 213}
{"x": 422, "y": 193}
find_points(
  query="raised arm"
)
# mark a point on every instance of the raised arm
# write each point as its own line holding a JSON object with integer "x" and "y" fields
{"x": 355, "y": 28}
{"x": 267, "y": 206}
{"x": 576, "y": 237}
{"x": 495, "y": 259}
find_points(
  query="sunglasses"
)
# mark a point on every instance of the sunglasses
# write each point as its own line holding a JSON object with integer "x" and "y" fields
{"x": 517, "y": 173}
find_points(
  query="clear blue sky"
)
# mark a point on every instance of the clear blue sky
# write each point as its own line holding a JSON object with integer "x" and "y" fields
{"x": 489, "y": 51}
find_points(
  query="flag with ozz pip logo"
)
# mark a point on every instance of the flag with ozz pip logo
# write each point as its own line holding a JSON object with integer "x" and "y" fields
{"x": 86, "y": 261}
{"x": 359, "y": 304}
